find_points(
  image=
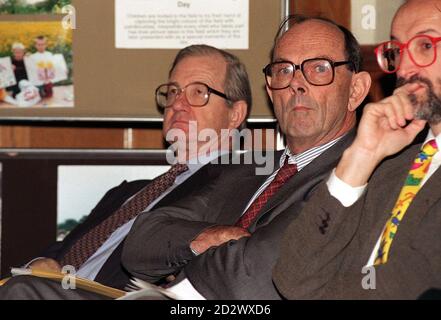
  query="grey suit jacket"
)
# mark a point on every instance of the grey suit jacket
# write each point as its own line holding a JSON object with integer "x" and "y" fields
{"x": 158, "y": 243}
{"x": 238, "y": 269}
{"x": 322, "y": 255}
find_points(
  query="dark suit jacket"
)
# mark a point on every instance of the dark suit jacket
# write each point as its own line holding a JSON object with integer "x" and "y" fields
{"x": 327, "y": 262}
{"x": 158, "y": 243}
{"x": 237, "y": 269}
{"x": 113, "y": 273}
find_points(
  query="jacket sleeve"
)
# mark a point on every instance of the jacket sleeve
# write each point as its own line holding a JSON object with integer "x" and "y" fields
{"x": 412, "y": 268}
{"x": 241, "y": 269}
{"x": 159, "y": 242}
{"x": 313, "y": 248}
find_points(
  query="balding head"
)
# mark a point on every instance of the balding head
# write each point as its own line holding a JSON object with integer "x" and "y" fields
{"x": 351, "y": 47}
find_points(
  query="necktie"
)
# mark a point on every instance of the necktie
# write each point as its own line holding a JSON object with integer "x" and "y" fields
{"x": 94, "y": 238}
{"x": 285, "y": 172}
{"x": 411, "y": 187}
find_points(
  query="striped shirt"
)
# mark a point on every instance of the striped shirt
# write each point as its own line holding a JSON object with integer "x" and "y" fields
{"x": 301, "y": 159}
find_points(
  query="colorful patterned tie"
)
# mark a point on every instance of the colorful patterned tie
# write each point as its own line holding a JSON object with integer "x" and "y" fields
{"x": 411, "y": 187}
{"x": 285, "y": 172}
{"x": 89, "y": 243}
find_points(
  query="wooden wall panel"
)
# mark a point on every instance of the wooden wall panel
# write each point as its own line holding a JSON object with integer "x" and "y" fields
{"x": 14, "y": 136}
{"x": 337, "y": 10}
{"x": 20, "y": 136}
{"x": 146, "y": 139}
{"x": 48, "y": 137}
{"x": 94, "y": 138}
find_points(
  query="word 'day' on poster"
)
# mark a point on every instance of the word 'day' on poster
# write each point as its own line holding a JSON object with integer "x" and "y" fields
{"x": 7, "y": 77}
{"x": 43, "y": 69}
{"x": 172, "y": 24}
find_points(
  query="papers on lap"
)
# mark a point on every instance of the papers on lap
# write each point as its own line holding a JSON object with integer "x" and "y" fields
{"x": 138, "y": 290}
{"x": 74, "y": 282}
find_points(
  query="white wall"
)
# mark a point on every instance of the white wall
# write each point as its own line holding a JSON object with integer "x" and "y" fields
{"x": 81, "y": 187}
{"x": 372, "y": 13}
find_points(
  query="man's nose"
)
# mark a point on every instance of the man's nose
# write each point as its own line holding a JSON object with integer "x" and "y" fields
{"x": 298, "y": 83}
{"x": 181, "y": 102}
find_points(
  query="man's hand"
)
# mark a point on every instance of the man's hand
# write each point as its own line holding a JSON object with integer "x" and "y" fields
{"x": 217, "y": 235}
{"x": 383, "y": 131}
{"x": 46, "y": 264}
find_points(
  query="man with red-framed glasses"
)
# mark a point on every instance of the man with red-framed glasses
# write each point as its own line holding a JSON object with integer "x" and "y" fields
{"x": 380, "y": 210}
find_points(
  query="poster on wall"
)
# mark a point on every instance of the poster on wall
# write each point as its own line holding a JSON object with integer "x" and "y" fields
{"x": 42, "y": 61}
{"x": 42, "y": 69}
{"x": 173, "y": 24}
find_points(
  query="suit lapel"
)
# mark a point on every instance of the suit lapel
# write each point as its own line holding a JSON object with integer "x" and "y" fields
{"x": 245, "y": 184}
{"x": 200, "y": 180}
{"x": 194, "y": 182}
{"x": 391, "y": 179}
{"x": 233, "y": 209}
{"x": 427, "y": 196}
{"x": 297, "y": 188}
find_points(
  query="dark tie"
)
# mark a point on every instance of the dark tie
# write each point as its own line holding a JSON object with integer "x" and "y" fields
{"x": 90, "y": 242}
{"x": 285, "y": 172}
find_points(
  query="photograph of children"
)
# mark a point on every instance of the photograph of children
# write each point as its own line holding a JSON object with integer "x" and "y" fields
{"x": 40, "y": 55}
{"x": 32, "y": 6}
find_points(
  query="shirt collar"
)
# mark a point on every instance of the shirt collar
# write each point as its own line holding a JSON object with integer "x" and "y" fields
{"x": 431, "y": 136}
{"x": 306, "y": 157}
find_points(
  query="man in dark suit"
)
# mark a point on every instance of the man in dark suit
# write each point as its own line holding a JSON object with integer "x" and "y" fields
{"x": 315, "y": 100}
{"x": 373, "y": 229}
{"x": 208, "y": 89}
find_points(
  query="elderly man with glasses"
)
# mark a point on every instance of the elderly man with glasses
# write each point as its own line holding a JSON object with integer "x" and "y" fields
{"x": 379, "y": 235}
{"x": 316, "y": 85}
{"x": 191, "y": 102}
{"x": 226, "y": 249}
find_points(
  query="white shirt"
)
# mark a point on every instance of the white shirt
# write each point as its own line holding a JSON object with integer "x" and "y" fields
{"x": 184, "y": 289}
{"x": 301, "y": 160}
{"x": 348, "y": 195}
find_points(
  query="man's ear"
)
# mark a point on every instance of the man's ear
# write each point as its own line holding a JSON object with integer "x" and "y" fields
{"x": 238, "y": 113}
{"x": 270, "y": 93}
{"x": 360, "y": 85}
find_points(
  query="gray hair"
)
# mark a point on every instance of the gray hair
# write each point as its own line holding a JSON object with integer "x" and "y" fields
{"x": 237, "y": 84}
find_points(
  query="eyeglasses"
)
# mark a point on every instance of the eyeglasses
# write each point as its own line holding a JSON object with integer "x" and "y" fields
{"x": 421, "y": 50}
{"x": 197, "y": 94}
{"x": 317, "y": 71}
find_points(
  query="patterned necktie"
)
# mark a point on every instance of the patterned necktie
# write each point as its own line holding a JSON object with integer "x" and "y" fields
{"x": 411, "y": 187}
{"x": 285, "y": 172}
{"x": 89, "y": 243}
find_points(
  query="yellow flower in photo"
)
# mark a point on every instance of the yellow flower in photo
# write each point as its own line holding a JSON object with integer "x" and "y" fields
{"x": 26, "y": 32}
